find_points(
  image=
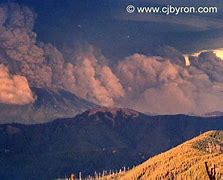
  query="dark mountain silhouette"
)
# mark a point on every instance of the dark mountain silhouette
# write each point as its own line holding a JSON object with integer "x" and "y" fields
{"x": 49, "y": 105}
{"x": 96, "y": 140}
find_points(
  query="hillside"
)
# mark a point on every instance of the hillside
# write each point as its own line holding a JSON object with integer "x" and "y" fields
{"x": 96, "y": 140}
{"x": 49, "y": 105}
{"x": 189, "y": 160}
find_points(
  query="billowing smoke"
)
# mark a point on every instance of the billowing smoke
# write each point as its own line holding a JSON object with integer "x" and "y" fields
{"x": 18, "y": 45}
{"x": 90, "y": 78}
{"x": 155, "y": 84}
{"x": 161, "y": 84}
{"x": 44, "y": 65}
{"x": 210, "y": 64}
{"x": 14, "y": 89}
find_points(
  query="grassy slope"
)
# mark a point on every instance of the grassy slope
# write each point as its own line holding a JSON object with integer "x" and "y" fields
{"x": 183, "y": 161}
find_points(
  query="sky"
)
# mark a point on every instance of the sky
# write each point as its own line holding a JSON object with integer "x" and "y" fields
{"x": 103, "y": 21}
{"x": 102, "y": 53}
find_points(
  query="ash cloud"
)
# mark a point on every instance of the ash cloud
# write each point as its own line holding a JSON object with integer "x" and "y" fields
{"x": 210, "y": 64}
{"x": 91, "y": 78}
{"x": 83, "y": 73}
{"x": 157, "y": 84}
{"x": 14, "y": 89}
{"x": 18, "y": 45}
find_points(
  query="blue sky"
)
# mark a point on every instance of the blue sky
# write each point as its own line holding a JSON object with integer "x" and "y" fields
{"x": 106, "y": 24}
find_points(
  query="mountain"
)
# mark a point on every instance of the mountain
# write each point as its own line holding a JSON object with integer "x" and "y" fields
{"x": 214, "y": 114}
{"x": 96, "y": 140}
{"x": 49, "y": 105}
{"x": 198, "y": 158}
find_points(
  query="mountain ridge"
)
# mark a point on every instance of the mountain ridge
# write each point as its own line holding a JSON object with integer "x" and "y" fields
{"x": 94, "y": 142}
{"x": 49, "y": 105}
